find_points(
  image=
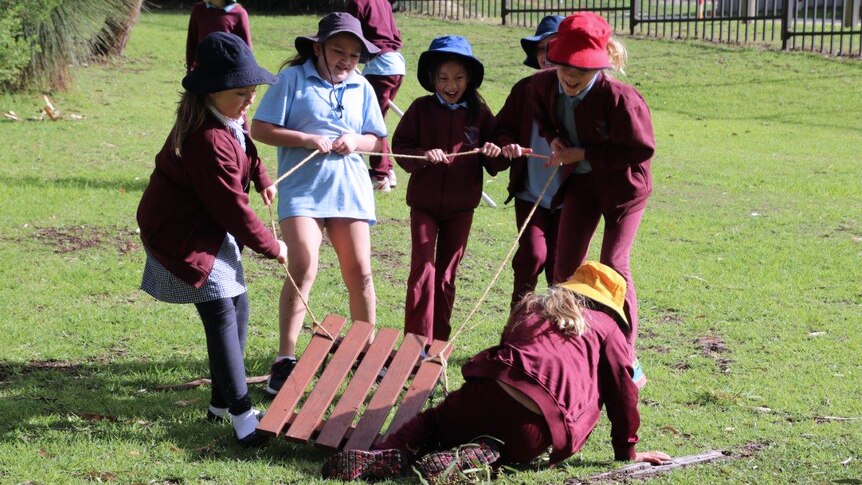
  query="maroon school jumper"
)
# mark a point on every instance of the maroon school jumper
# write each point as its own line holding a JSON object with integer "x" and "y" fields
{"x": 441, "y": 199}
{"x": 191, "y": 202}
{"x": 378, "y": 27}
{"x": 538, "y": 244}
{"x": 206, "y": 20}
{"x": 615, "y": 130}
{"x": 569, "y": 378}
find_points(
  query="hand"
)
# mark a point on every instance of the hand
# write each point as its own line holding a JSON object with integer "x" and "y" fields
{"x": 437, "y": 156}
{"x": 515, "y": 151}
{"x": 282, "y": 252}
{"x": 345, "y": 144}
{"x": 268, "y": 194}
{"x": 318, "y": 142}
{"x": 490, "y": 150}
{"x": 558, "y": 145}
{"x": 653, "y": 457}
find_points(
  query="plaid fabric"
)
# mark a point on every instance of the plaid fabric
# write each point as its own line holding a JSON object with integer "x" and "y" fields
{"x": 359, "y": 464}
{"x": 447, "y": 467}
{"x": 225, "y": 281}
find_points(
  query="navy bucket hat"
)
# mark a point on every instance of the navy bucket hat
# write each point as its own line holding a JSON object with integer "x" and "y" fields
{"x": 224, "y": 61}
{"x": 333, "y": 24}
{"x": 547, "y": 27}
{"x": 449, "y": 45}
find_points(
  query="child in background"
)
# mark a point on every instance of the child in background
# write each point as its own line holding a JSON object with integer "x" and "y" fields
{"x": 601, "y": 134}
{"x": 561, "y": 357}
{"x": 385, "y": 72}
{"x": 195, "y": 216}
{"x": 322, "y": 103}
{"x": 443, "y": 191}
{"x": 518, "y": 134}
{"x": 215, "y": 16}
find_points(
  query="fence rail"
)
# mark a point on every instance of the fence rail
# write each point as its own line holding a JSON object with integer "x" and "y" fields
{"x": 826, "y": 26}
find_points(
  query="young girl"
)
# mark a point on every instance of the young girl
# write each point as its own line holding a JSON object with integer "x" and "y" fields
{"x": 322, "y": 103}
{"x": 518, "y": 134}
{"x": 561, "y": 357}
{"x": 443, "y": 191}
{"x": 195, "y": 216}
{"x": 602, "y": 137}
{"x": 215, "y": 16}
{"x": 385, "y": 72}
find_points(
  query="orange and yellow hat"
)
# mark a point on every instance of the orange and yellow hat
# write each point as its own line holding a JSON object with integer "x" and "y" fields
{"x": 600, "y": 283}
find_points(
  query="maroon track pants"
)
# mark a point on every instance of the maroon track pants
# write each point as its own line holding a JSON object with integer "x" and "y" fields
{"x": 536, "y": 248}
{"x": 386, "y": 88}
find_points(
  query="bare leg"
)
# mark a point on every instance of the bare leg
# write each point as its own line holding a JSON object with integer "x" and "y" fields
{"x": 351, "y": 240}
{"x": 303, "y": 236}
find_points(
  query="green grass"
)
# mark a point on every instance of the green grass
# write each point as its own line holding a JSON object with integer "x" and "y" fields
{"x": 747, "y": 265}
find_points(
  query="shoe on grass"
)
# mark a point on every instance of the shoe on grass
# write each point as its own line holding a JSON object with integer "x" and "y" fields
{"x": 360, "y": 464}
{"x": 393, "y": 181}
{"x": 453, "y": 466}
{"x": 278, "y": 373}
{"x": 215, "y": 415}
{"x": 381, "y": 185}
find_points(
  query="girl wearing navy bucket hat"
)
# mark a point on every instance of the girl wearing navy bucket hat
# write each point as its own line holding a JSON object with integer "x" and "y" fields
{"x": 518, "y": 134}
{"x": 322, "y": 103}
{"x": 443, "y": 191}
{"x": 195, "y": 217}
{"x": 601, "y": 134}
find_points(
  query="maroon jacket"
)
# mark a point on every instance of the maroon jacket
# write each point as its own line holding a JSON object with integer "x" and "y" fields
{"x": 444, "y": 188}
{"x": 515, "y": 125}
{"x": 614, "y": 128}
{"x": 569, "y": 378}
{"x": 205, "y": 21}
{"x": 378, "y": 23}
{"x": 193, "y": 201}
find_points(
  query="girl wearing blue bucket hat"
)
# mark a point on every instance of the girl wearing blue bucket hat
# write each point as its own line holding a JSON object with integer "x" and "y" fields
{"x": 518, "y": 134}
{"x": 322, "y": 103}
{"x": 195, "y": 217}
{"x": 443, "y": 191}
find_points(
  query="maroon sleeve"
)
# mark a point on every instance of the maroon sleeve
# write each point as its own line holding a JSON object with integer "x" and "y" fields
{"x": 192, "y": 39}
{"x": 543, "y": 96}
{"x": 620, "y": 394}
{"x": 631, "y": 140}
{"x": 259, "y": 176}
{"x": 405, "y": 140}
{"x": 243, "y": 28}
{"x": 493, "y": 165}
{"x": 509, "y": 121}
{"x": 217, "y": 180}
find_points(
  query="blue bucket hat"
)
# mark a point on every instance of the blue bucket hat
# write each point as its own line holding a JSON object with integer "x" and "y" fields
{"x": 547, "y": 27}
{"x": 332, "y": 24}
{"x": 224, "y": 61}
{"x": 449, "y": 45}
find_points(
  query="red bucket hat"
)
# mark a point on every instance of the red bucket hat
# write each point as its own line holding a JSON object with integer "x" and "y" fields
{"x": 582, "y": 42}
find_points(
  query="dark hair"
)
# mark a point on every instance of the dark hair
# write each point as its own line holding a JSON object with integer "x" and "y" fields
{"x": 297, "y": 60}
{"x": 191, "y": 113}
{"x": 471, "y": 95}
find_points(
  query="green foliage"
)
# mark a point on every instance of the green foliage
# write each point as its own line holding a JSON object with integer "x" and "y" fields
{"x": 14, "y": 49}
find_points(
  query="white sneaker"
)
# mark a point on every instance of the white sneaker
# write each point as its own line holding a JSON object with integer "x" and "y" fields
{"x": 381, "y": 185}
{"x": 392, "y": 180}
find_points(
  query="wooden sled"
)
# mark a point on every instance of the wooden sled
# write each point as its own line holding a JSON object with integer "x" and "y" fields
{"x": 337, "y": 432}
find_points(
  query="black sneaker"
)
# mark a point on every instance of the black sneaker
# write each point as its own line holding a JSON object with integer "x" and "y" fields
{"x": 279, "y": 373}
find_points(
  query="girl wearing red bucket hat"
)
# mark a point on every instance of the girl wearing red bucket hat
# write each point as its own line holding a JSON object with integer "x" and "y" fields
{"x": 322, "y": 103}
{"x": 562, "y": 356}
{"x": 601, "y": 135}
{"x": 443, "y": 191}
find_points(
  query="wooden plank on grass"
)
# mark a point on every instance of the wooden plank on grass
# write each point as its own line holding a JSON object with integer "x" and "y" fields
{"x": 423, "y": 385}
{"x": 281, "y": 410}
{"x": 339, "y": 421}
{"x": 387, "y": 393}
{"x": 310, "y": 415}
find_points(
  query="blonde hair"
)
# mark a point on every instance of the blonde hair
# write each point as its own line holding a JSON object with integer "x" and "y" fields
{"x": 618, "y": 54}
{"x": 562, "y": 307}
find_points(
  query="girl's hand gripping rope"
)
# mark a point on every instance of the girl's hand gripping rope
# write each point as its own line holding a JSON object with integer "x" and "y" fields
{"x": 268, "y": 195}
{"x": 346, "y": 143}
{"x": 490, "y": 150}
{"x": 515, "y": 151}
{"x": 318, "y": 142}
{"x": 437, "y": 155}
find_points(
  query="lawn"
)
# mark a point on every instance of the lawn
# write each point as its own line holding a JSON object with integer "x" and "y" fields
{"x": 748, "y": 265}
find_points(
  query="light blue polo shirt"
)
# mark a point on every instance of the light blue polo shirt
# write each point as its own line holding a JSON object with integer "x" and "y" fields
{"x": 390, "y": 64}
{"x": 566, "y": 112}
{"x": 329, "y": 185}
{"x": 538, "y": 173}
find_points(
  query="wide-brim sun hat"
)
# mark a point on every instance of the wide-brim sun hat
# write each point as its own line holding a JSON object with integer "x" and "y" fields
{"x": 224, "y": 61}
{"x": 547, "y": 27}
{"x": 601, "y": 284}
{"x": 449, "y": 45}
{"x": 581, "y": 42}
{"x": 333, "y": 24}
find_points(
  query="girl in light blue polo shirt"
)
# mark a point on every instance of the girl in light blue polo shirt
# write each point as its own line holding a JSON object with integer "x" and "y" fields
{"x": 322, "y": 103}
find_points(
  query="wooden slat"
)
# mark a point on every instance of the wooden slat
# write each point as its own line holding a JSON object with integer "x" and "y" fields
{"x": 423, "y": 385}
{"x": 310, "y": 415}
{"x": 336, "y": 426}
{"x": 387, "y": 393}
{"x": 281, "y": 409}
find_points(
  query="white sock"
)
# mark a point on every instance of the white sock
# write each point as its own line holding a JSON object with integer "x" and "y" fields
{"x": 244, "y": 424}
{"x": 220, "y": 412}
{"x": 279, "y": 358}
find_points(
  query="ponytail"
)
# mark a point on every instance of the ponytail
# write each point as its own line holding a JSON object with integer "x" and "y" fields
{"x": 618, "y": 55}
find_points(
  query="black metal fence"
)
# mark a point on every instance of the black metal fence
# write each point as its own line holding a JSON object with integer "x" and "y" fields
{"x": 826, "y": 26}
